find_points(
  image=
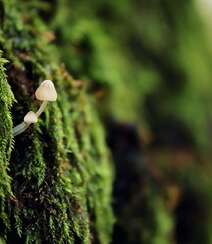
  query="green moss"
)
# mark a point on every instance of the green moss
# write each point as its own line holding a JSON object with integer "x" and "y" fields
{"x": 6, "y": 101}
{"x": 61, "y": 175}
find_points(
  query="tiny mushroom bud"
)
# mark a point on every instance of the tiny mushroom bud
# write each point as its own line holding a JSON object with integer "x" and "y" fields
{"x": 30, "y": 118}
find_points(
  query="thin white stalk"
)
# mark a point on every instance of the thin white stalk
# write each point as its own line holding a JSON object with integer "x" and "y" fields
{"x": 20, "y": 128}
{"x": 23, "y": 126}
{"x": 42, "y": 107}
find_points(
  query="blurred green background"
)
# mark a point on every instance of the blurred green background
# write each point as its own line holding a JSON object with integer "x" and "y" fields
{"x": 148, "y": 63}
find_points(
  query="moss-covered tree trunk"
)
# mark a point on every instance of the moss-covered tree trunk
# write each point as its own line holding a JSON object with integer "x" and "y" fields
{"x": 143, "y": 70}
{"x": 55, "y": 178}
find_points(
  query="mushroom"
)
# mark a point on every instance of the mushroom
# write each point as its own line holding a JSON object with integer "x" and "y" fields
{"x": 46, "y": 93}
{"x": 29, "y": 118}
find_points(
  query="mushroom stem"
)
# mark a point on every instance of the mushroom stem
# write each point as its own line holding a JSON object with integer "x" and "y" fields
{"x": 42, "y": 107}
{"x": 20, "y": 128}
{"x": 23, "y": 126}
{"x": 29, "y": 118}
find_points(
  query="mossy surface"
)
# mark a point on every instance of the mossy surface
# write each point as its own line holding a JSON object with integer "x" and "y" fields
{"x": 146, "y": 63}
{"x": 55, "y": 185}
{"x": 6, "y": 101}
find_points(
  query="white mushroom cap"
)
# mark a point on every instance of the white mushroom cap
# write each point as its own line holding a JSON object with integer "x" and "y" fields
{"x": 46, "y": 91}
{"x": 30, "y": 118}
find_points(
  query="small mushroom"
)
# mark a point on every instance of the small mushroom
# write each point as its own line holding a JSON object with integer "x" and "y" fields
{"x": 46, "y": 92}
{"x": 29, "y": 118}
